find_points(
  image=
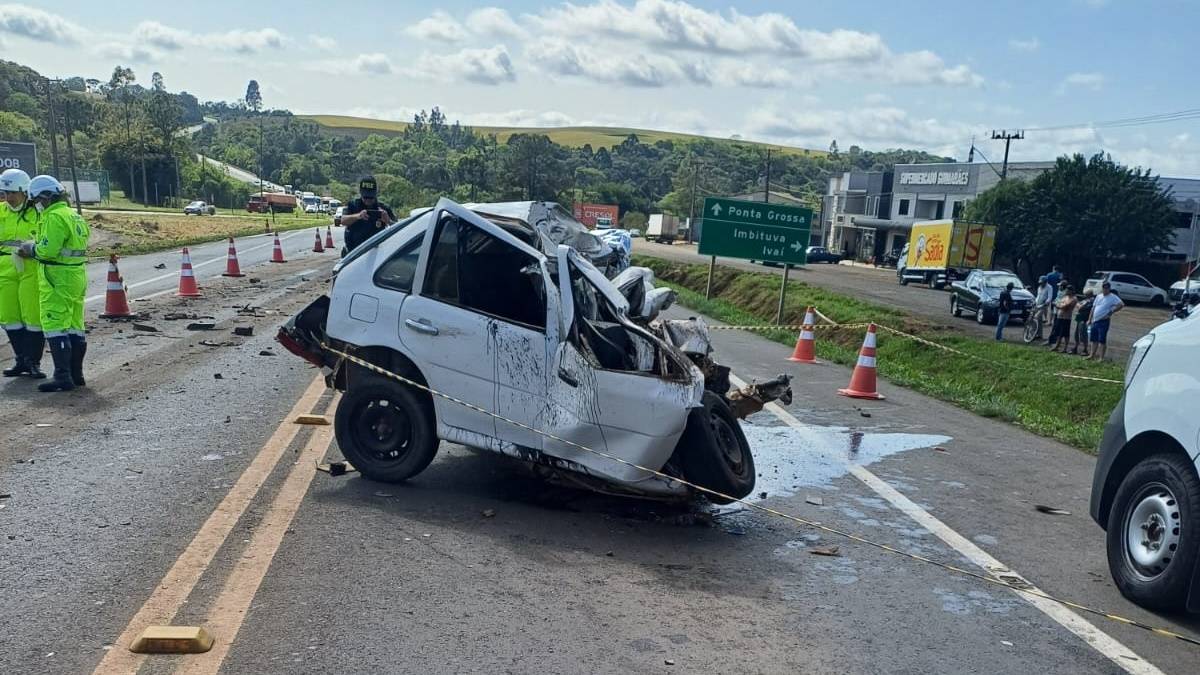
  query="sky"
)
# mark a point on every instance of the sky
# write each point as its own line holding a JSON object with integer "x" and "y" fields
{"x": 924, "y": 74}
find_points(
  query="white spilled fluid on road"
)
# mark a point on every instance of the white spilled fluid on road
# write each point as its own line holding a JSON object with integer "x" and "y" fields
{"x": 787, "y": 458}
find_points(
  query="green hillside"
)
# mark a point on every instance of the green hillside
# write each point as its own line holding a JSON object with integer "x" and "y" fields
{"x": 574, "y": 137}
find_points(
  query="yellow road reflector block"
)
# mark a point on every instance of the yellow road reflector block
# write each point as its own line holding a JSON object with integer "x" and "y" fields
{"x": 172, "y": 640}
{"x": 319, "y": 420}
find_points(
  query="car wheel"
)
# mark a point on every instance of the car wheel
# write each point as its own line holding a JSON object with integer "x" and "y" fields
{"x": 981, "y": 316}
{"x": 385, "y": 430}
{"x": 955, "y": 310}
{"x": 1154, "y": 532}
{"x": 714, "y": 453}
{"x": 1158, "y": 301}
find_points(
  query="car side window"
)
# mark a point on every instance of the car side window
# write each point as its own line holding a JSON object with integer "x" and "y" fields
{"x": 1125, "y": 279}
{"x": 470, "y": 268}
{"x": 400, "y": 270}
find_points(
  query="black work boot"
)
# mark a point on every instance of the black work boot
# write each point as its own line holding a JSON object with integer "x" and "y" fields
{"x": 35, "y": 346}
{"x": 17, "y": 340}
{"x": 78, "y": 351}
{"x": 60, "y": 351}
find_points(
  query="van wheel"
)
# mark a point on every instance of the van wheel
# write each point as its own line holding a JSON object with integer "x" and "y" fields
{"x": 1154, "y": 532}
{"x": 385, "y": 430}
{"x": 713, "y": 451}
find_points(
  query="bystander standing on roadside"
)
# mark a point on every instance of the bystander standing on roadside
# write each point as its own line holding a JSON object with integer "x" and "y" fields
{"x": 1065, "y": 307}
{"x": 1103, "y": 308}
{"x": 1041, "y": 304}
{"x": 1003, "y": 310}
{"x": 1083, "y": 309}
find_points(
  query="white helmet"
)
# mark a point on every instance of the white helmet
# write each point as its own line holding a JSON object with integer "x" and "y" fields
{"x": 45, "y": 185}
{"x": 14, "y": 180}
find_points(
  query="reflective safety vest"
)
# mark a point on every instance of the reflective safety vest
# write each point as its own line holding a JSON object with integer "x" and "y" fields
{"x": 62, "y": 236}
{"x": 16, "y": 227}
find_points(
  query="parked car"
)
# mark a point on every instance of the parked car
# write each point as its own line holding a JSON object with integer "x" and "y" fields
{"x": 198, "y": 208}
{"x": 979, "y": 294}
{"x": 893, "y": 257}
{"x": 1146, "y": 488}
{"x": 820, "y": 254}
{"x": 1128, "y": 286}
{"x": 635, "y": 233}
{"x": 337, "y": 216}
{"x": 505, "y": 313}
{"x": 1190, "y": 284}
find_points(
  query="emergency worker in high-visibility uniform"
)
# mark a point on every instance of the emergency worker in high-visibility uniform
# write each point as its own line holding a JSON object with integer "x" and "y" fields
{"x": 19, "y": 294}
{"x": 61, "y": 248}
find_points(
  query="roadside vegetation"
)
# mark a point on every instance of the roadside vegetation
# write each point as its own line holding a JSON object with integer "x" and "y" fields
{"x": 131, "y": 233}
{"x": 1012, "y": 382}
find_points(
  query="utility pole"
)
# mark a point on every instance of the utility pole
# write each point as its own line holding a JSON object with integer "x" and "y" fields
{"x": 260, "y": 158}
{"x": 71, "y": 156}
{"x": 52, "y": 126}
{"x": 692, "y": 206}
{"x": 1008, "y": 137}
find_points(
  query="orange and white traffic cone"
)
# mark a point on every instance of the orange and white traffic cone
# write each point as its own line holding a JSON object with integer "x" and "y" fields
{"x": 862, "y": 381}
{"x": 232, "y": 268}
{"x": 317, "y": 247}
{"x": 806, "y": 344}
{"x": 277, "y": 253}
{"x": 329, "y": 238}
{"x": 187, "y": 278}
{"x": 116, "y": 303}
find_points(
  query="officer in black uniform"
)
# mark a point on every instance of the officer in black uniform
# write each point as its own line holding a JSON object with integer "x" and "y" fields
{"x": 365, "y": 216}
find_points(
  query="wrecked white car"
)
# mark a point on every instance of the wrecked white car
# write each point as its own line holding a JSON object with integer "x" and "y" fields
{"x": 500, "y": 313}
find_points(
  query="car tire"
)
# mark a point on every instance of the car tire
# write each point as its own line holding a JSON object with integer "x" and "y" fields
{"x": 385, "y": 429}
{"x": 714, "y": 453}
{"x": 1158, "y": 301}
{"x": 955, "y": 310}
{"x": 981, "y": 316}
{"x": 1161, "y": 489}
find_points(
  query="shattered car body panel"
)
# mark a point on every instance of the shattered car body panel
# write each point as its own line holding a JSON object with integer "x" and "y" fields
{"x": 489, "y": 311}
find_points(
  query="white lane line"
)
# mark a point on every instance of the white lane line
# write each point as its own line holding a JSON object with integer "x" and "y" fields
{"x": 222, "y": 258}
{"x": 1114, "y": 651}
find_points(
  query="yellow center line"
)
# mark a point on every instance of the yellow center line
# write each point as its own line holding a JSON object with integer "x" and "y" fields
{"x": 174, "y": 589}
{"x": 228, "y": 612}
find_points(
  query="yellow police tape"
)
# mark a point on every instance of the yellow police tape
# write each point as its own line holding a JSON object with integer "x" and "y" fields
{"x": 833, "y": 324}
{"x": 1013, "y": 586}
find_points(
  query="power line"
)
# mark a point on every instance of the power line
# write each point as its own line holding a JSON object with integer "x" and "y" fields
{"x": 1160, "y": 118}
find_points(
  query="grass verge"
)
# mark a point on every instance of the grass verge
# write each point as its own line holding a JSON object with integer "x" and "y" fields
{"x": 147, "y": 232}
{"x": 1008, "y": 381}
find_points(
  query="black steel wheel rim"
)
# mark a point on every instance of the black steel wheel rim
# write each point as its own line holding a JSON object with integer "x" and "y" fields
{"x": 382, "y": 429}
{"x": 727, "y": 441}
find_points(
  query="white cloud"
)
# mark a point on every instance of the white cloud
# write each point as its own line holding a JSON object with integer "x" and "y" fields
{"x": 1030, "y": 45}
{"x": 438, "y": 27}
{"x": 480, "y": 66}
{"x": 169, "y": 38}
{"x": 639, "y": 69}
{"x": 677, "y": 24}
{"x": 494, "y": 21}
{"x": 247, "y": 41}
{"x": 121, "y": 51}
{"x": 877, "y": 99}
{"x": 373, "y": 64}
{"x": 325, "y": 44}
{"x": 1093, "y": 81}
{"x": 875, "y": 127}
{"x": 925, "y": 67}
{"x": 35, "y": 24}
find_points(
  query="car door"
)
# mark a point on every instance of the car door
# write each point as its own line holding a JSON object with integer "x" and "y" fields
{"x": 638, "y": 413}
{"x": 968, "y": 297}
{"x": 449, "y": 341}
{"x": 1127, "y": 286}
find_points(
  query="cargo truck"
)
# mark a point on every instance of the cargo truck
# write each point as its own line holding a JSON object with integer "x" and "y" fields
{"x": 940, "y": 252}
{"x": 662, "y": 227}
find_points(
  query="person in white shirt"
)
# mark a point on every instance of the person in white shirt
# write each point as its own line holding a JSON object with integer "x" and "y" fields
{"x": 1042, "y": 303}
{"x": 1105, "y": 305}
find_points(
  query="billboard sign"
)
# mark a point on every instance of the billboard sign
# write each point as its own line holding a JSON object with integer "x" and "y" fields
{"x": 756, "y": 231}
{"x": 604, "y": 215}
{"x": 15, "y": 155}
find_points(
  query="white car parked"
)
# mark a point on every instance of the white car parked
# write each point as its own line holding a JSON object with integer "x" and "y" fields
{"x": 491, "y": 306}
{"x": 1146, "y": 489}
{"x": 1128, "y": 286}
{"x": 1189, "y": 285}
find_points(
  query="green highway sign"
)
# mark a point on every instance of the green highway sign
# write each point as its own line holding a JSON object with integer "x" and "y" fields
{"x": 755, "y": 231}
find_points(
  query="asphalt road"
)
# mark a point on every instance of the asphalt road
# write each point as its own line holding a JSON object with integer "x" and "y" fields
{"x": 166, "y": 494}
{"x": 879, "y": 285}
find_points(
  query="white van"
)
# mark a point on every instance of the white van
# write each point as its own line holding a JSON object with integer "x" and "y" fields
{"x": 1146, "y": 489}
